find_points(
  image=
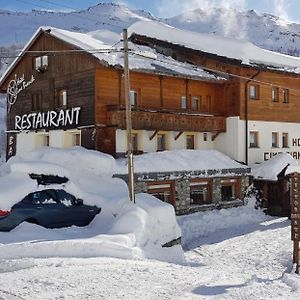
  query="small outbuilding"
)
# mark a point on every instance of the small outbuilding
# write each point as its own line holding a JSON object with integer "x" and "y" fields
{"x": 273, "y": 183}
{"x": 190, "y": 180}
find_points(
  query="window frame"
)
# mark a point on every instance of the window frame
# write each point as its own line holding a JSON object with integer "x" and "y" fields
{"x": 285, "y": 140}
{"x": 286, "y": 95}
{"x": 159, "y": 146}
{"x": 133, "y": 97}
{"x": 275, "y": 143}
{"x": 41, "y": 62}
{"x": 155, "y": 187}
{"x": 184, "y": 102}
{"x": 187, "y": 143}
{"x": 195, "y": 105}
{"x": 235, "y": 184}
{"x": 254, "y": 91}
{"x": 196, "y": 184}
{"x": 256, "y": 139}
{"x": 62, "y": 102}
{"x": 275, "y": 94}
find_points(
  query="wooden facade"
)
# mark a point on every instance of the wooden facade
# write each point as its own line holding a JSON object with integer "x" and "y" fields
{"x": 237, "y": 93}
{"x": 99, "y": 91}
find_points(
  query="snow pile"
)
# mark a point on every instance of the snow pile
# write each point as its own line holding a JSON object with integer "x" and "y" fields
{"x": 201, "y": 225}
{"x": 122, "y": 229}
{"x": 268, "y": 170}
{"x": 179, "y": 160}
{"x": 244, "y": 51}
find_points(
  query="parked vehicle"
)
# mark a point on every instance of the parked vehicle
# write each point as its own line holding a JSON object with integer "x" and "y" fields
{"x": 50, "y": 208}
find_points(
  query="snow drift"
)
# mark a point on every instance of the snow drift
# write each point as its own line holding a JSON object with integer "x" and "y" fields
{"x": 122, "y": 229}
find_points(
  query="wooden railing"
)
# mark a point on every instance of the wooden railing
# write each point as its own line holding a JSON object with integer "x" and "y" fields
{"x": 166, "y": 120}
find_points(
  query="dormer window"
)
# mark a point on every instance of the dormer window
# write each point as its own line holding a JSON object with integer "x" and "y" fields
{"x": 41, "y": 63}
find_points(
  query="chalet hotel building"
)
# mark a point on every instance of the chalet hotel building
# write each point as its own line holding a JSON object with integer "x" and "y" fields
{"x": 235, "y": 98}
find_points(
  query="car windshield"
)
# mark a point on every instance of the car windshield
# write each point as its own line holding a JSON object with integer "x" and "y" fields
{"x": 44, "y": 197}
{"x": 66, "y": 198}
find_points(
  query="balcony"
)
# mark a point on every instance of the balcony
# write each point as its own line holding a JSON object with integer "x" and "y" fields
{"x": 147, "y": 119}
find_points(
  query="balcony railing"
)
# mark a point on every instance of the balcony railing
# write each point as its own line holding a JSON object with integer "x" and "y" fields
{"x": 151, "y": 119}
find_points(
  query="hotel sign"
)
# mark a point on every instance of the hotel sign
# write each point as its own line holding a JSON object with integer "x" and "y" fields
{"x": 16, "y": 86}
{"x": 295, "y": 217}
{"x": 48, "y": 119}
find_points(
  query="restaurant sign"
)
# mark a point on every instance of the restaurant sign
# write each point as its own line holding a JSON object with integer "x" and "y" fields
{"x": 40, "y": 120}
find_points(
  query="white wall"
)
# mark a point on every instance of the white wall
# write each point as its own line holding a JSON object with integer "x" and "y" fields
{"x": 265, "y": 130}
{"x": 147, "y": 145}
{"x": 232, "y": 143}
{"x": 32, "y": 140}
{"x": 26, "y": 142}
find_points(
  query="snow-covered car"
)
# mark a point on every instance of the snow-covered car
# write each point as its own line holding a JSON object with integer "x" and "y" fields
{"x": 50, "y": 208}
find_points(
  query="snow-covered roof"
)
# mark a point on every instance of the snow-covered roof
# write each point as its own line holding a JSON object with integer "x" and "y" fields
{"x": 141, "y": 58}
{"x": 268, "y": 170}
{"x": 179, "y": 160}
{"x": 240, "y": 50}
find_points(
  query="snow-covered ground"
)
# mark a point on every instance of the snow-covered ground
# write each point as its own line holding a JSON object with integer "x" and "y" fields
{"x": 247, "y": 259}
{"x": 237, "y": 253}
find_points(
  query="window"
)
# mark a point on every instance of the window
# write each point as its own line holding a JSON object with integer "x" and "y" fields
{"x": 76, "y": 139}
{"x": 36, "y": 102}
{"x": 285, "y": 140}
{"x": 286, "y": 96}
{"x": 253, "y": 92}
{"x": 275, "y": 94}
{"x": 275, "y": 139}
{"x": 230, "y": 189}
{"x": 134, "y": 142}
{"x": 253, "y": 139}
{"x": 183, "y": 102}
{"x": 205, "y": 136}
{"x": 41, "y": 63}
{"x": 161, "y": 142}
{"x": 163, "y": 190}
{"x": 190, "y": 141}
{"x": 200, "y": 192}
{"x": 62, "y": 98}
{"x": 45, "y": 140}
{"x": 133, "y": 98}
{"x": 195, "y": 103}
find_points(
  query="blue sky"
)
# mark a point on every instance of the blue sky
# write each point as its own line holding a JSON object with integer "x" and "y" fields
{"x": 289, "y": 9}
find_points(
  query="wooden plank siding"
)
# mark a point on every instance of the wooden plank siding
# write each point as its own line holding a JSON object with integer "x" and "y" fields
{"x": 160, "y": 93}
{"x": 72, "y": 71}
{"x": 262, "y": 109}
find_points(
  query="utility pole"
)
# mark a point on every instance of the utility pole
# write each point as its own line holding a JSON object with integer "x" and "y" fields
{"x": 128, "y": 119}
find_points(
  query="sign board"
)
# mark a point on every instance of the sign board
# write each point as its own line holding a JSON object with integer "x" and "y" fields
{"x": 295, "y": 217}
{"x": 39, "y": 120}
{"x": 16, "y": 86}
{"x": 11, "y": 145}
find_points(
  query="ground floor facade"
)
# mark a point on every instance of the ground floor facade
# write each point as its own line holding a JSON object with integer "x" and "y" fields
{"x": 265, "y": 139}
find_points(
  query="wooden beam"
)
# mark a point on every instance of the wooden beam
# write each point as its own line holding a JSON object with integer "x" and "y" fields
{"x": 215, "y": 135}
{"x": 178, "y": 135}
{"x": 153, "y": 135}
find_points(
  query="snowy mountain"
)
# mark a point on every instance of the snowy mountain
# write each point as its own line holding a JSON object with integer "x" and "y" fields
{"x": 264, "y": 30}
{"x": 22, "y": 25}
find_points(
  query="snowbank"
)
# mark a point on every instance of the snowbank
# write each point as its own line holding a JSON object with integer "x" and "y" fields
{"x": 269, "y": 169}
{"x": 186, "y": 160}
{"x": 122, "y": 229}
{"x": 200, "y": 225}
